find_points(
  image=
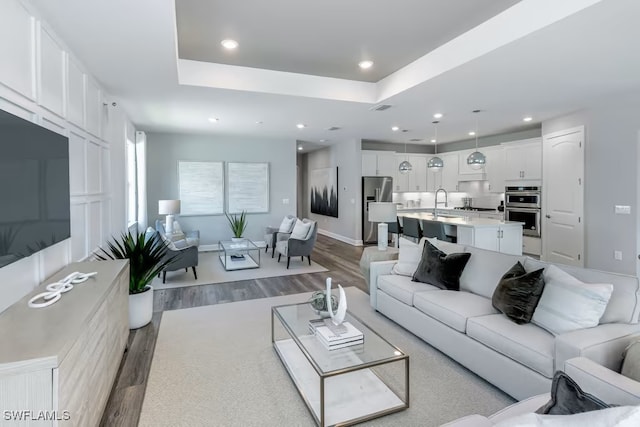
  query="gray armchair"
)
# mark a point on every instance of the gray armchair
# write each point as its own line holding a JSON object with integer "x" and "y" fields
{"x": 183, "y": 247}
{"x": 290, "y": 246}
{"x": 271, "y": 234}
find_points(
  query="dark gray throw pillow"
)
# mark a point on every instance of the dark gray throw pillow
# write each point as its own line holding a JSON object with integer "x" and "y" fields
{"x": 568, "y": 398}
{"x": 518, "y": 293}
{"x": 439, "y": 269}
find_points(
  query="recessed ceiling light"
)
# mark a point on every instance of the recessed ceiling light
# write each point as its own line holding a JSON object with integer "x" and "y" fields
{"x": 229, "y": 44}
{"x": 365, "y": 65}
{"x": 258, "y": 122}
{"x": 213, "y": 119}
{"x": 299, "y": 148}
{"x": 527, "y": 119}
{"x": 437, "y": 115}
{"x": 301, "y": 126}
{"x": 433, "y": 140}
{"x": 323, "y": 140}
{"x": 472, "y": 133}
{"x": 395, "y": 128}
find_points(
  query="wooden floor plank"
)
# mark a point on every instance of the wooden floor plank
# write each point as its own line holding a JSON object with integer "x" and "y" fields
{"x": 127, "y": 394}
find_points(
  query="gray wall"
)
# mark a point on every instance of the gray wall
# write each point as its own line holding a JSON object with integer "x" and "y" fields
{"x": 347, "y": 156}
{"x": 611, "y": 178}
{"x": 164, "y": 151}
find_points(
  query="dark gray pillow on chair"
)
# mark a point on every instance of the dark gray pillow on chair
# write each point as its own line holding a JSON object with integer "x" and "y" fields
{"x": 568, "y": 398}
{"x": 439, "y": 269}
{"x": 518, "y": 293}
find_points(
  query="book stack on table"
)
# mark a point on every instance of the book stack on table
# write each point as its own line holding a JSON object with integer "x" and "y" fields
{"x": 334, "y": 337}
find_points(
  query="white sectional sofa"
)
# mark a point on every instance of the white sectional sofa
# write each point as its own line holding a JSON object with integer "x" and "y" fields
{"x": 519, "y": 359}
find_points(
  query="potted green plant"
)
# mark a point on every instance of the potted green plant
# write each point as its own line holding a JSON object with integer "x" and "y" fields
{"x": 147, "y": 257}
{"x": 238, "y": 225}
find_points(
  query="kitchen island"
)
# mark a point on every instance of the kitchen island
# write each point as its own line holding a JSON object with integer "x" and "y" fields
{"x": 485, "y": 233}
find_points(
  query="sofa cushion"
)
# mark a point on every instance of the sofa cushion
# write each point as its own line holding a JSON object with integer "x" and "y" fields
{"x": 623, "y": 305}
{"x": 484, "y": 270}
{"x": 567, "y": 304}
{"x": 518, "y": 293}
{"x": 453, "y": 308}
{"x": 408, "y": 257}
{"x": 527, "y": 344}
{"x": 439, "y": 269}
{"x": 402, "y": 288}
{"x": 301, "y": 230}
{"x": 287, "y": 224}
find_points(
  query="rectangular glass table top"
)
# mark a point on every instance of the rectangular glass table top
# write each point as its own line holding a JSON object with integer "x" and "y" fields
{"x": 230, "y": 246}
{"x": 375, "y": 350}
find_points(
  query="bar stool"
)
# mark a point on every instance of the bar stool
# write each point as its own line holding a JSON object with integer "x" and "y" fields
{"x": 434, "y": 229}
{"x": 395, "y": 228}
{"x": 411, "y": 228}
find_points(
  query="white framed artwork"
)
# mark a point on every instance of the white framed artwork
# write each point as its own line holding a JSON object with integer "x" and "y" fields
{"x": 201, "y": 187}
{"x": 247, "y": 187}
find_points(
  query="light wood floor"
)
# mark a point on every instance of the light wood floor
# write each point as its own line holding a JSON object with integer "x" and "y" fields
{"x": 125, "y": 401}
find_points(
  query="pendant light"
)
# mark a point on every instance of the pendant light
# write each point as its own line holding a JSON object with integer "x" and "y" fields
{"x": 435, "y": 163}
{"x": 405, "y": 167}
{"x": 476, "y": 160}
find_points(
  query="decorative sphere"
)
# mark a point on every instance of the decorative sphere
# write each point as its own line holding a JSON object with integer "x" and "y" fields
{"x": 435, "y": 163}
{"x": 405, "y": 167}
{"x": 476, "y": 160}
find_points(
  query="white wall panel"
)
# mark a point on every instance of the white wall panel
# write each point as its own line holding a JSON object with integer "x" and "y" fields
{"x": 94, "y": 225}
{"x": 93, "y": 107}
{"x": 105, "y": 159}
{"x": 75, "y": 93}
{"x": 53, "y": 257}
{"x": 93, "y": 168}
{"x": 78, "y": 231}
{"x": 77, "y": 166}
{"x": 17, "y": 48}
{"x": 106, "y": 221}
{"x": 51, "y": 82}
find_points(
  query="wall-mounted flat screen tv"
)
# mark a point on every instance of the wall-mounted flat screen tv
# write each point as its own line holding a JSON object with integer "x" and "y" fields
{"x": 34, "y": 188}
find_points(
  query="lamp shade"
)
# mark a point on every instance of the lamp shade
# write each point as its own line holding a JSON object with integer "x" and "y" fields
{"x": 382, "y": 212}
{"x": 168, "y": 207}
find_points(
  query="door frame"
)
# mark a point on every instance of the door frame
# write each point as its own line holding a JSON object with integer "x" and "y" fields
{"x": 545, "y": 181}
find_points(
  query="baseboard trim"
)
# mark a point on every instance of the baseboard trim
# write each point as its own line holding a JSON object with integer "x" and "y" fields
{"x": 344, "y": 239}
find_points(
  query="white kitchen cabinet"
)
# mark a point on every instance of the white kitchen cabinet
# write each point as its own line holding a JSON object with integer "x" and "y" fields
{"x": 447, "y": 177}
{"x": 418, "y": 176}
{"x": 463, "y": 167}
{"x": 369, "y": 164}
{"x": 524, "y": 161}
{"x": 506, "y": 239}
{"x": 532, "y": 245}
{"x": 387, "y": 165}
{"x": 495, "y": 168}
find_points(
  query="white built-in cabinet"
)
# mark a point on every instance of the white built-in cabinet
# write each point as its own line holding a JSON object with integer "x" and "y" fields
{"x": 523, "y": 160}
{"x": 447, "y": 177}
{"x": 414, "y": 181}
{"x": 387, "y": 165}
{"x": 506, "y": 239}
{"x": 495, "y": 168}
{"x": 369, "y": 163}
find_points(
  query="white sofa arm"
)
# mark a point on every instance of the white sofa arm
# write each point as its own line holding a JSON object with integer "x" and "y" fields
{"x": 379, "y": 268}
{"x": 603, "y": 344}
{"x": 605, "y": 384}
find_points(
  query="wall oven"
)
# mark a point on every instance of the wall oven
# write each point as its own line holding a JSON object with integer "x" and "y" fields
{"x": 523, "y": 204}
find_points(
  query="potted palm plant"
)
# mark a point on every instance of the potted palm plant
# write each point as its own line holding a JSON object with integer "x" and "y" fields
{"x": 238, "y": 224}
{"x": 147, "y": 257}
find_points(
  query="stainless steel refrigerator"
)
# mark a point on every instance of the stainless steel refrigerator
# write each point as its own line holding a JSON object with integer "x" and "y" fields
{"x": 374, "y": 189}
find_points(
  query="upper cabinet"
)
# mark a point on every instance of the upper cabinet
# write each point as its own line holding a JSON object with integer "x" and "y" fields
{"x": 387, "y": 165}
{"x": 416, "y": 180}
{"x": 369, "y": 163}
{"x": 447, "y": 177}
{"x": 495, "y": 168}
{"x": 524, "y": 160}
{"x": 463, "y": 167}
{"x": 375, "y": 163}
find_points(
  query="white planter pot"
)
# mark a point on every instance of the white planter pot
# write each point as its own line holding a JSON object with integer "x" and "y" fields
{"x": 237, "y": 239}
{"x": 140, "y": 308}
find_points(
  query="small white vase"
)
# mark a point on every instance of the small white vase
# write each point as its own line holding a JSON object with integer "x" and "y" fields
{"x": 237, "y": 239}
{"x": 140, "y": 308}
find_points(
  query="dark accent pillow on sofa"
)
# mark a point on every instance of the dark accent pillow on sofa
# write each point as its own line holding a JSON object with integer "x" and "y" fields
{"x": 518, "y": 293}
{"x": 568, "y": 398}
{"x": 439, "y": 269}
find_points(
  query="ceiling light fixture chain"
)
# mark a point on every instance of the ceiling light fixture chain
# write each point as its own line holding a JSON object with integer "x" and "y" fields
{"x": 435, "y": 163}
{"x": 476, "y": 160}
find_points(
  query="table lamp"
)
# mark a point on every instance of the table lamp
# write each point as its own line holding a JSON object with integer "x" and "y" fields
{"x": 169, "y": 208}
{"x": 382, "y": 213}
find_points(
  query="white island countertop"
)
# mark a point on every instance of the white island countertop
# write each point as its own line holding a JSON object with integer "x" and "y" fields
{"x": 461, "y": 221}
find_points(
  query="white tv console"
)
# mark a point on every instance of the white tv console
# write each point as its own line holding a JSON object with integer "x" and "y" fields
{"x": 60, "y": 361}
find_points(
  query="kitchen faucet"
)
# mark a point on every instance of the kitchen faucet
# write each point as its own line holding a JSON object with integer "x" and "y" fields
{"x": 435, "y": 206}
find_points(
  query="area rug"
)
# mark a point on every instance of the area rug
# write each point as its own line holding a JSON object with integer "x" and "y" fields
{"x": 210, "y": 270}
{"x": 214, "y": 365}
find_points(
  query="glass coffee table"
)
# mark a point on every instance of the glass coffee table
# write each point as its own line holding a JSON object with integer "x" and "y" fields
{"x": 344, "y": 386}
{"x": 239, "y": 255}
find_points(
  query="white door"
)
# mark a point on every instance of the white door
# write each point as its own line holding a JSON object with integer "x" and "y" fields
{"x": 563, "y": 197}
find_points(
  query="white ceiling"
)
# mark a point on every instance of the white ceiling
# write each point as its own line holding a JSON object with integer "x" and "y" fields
{"x": 541, "y": 57}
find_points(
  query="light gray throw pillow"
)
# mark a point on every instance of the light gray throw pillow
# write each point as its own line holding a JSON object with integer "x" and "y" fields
{"x": 631, "y": 362}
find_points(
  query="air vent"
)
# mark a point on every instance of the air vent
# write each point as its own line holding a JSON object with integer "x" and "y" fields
{"x": 333, "y": 128}
{"x": 415, "y": 139}
{"x": 380, "y": 107}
